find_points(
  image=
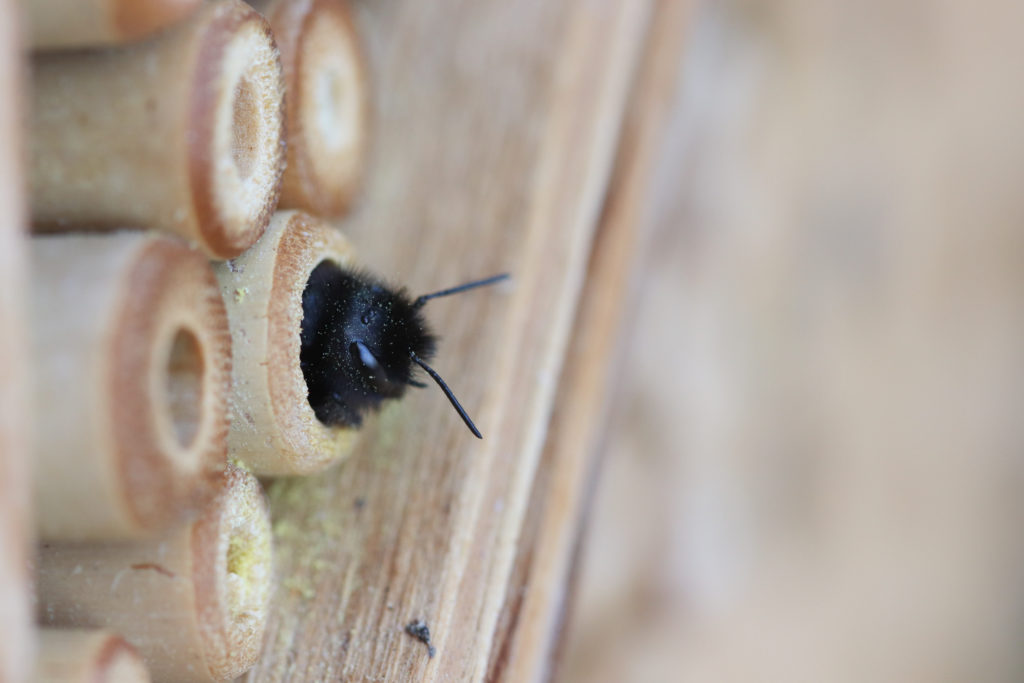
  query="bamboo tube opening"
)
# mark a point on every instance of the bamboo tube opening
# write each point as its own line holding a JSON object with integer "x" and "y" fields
{"x": 315, "y": 368}
{"x": 247, "y": 128}
{"x": 246, "y": 134}
{"x": 132, "y": 358}
{"x": 333, "y": 106}
{"x": 182, "y": 133}
{"x": 327, "y": 101}
{"x": 274, "y": 430}
{"x": 331, "y": 96}
{"x": 242, "y": 575}
{"x": 185, "y": 368}
{"x": 168, "y": 407}
{"x": 247, "y": 574}
{"x": 194, "y": 602}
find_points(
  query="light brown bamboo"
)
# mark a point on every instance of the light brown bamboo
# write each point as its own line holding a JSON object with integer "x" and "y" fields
{"x": 182, "y": 133}
{"x": 273, "y": 428}
{"x": 88, "y": 23}
{"x": 87, "y": 656}
{"x": 16, "y": 642}
{"x": 193, "y": 603}
{"x": 132, "y": 358}
{"x": 326, "y": 100}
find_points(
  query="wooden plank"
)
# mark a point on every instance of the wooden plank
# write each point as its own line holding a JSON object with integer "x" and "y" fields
{"x": 582, "y": 134}
{"x": 539, "y": 585}
{"x": 496, "y": 126}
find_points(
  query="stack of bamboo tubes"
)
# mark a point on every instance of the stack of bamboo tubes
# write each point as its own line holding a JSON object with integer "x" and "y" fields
{"x": 165, "y": 308}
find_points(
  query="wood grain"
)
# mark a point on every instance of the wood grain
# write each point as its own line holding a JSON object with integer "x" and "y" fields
{"x": 496, "y": 129}
{"x": 540, "y": 585}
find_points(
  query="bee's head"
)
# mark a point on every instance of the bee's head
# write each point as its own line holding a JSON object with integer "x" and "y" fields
{"x": 383, "y": 327}
{"x": 361, "y": 341}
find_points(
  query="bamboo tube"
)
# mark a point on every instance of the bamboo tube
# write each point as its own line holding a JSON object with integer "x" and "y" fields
{"x": 274, "y": 430}
{"x": 131, "y": 360}
{"x": 326, "y": 100}
{"x": 16, "y": 640}
{"x": 182, "y": 133}
{"x": 194, "y": 603}
{"x": 87, "y": 656}
{"x": 89, "y": 23}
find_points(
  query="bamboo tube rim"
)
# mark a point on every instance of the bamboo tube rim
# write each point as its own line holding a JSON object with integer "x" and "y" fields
{"x": 233, "y": 572}
{"x": 236, "y": 151}
{"x": 297, "y": 258}
{"x": 155, "y": 312}
{"x": 336, "y": 78}
{"x": 194, "y": 601}
{"x": 183, "y": 390}
{"x": 274, "y": 430}
{"x": 327, "y": 102}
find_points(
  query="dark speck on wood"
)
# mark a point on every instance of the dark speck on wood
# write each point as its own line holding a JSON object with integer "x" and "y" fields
{"x": 418, "y": 630}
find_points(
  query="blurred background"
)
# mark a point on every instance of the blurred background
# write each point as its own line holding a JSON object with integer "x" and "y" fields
{"x": 813, "y": 469}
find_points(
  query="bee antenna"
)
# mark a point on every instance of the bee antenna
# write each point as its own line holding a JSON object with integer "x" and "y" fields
{"x": 447, "y": 392}
{"x": 461, "y": 288}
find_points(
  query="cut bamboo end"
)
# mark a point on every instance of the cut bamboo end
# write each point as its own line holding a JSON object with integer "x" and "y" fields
{"x": 237, "y": 158}
{"x": 74, "y": 24}
{"x": 87, "y": 656}
{"x": 194, "y": 603}
{"x": 132, "y": 360}
{"x": 232, "y": 543}
{"x": 327, "y": 103}
{"x": 274, "y": 431}
{"x": 183, "y": 133}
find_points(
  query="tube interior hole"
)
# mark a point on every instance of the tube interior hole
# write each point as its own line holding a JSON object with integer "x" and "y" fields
{"x": 327, "y": 286}
{"x": 331, "y": 106}
{"x": 240, "y": 557}
{"x": 185, "y": 386}
{"x": 247, "y": 559}
{"x": 245, "y": 127}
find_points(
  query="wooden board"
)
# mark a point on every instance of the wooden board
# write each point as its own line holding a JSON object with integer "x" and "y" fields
{"x": 540, "y": 587}
{"x": 496, "y": 126}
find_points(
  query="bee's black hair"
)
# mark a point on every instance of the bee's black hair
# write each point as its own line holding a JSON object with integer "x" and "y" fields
{"x": 362, "y": 340}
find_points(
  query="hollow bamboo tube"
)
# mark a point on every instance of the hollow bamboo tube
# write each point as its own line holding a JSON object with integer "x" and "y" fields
{"x": 273, "y": 428}
{"x": 132, "y": 358}
{"x": 89, "y": 23}
{"x": 182, "y": 133}
{"x": 87, "y": 656}
{"x": 326, "y": 100}
{"x": 194, "y": 602}
{"x": 16, "y": 640}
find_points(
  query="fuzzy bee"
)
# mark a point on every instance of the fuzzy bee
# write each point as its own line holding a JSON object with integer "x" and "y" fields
{"x": 361, "y": 343}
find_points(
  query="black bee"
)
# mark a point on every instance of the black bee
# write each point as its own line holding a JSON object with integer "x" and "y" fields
{"x": 361, "y": 341}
